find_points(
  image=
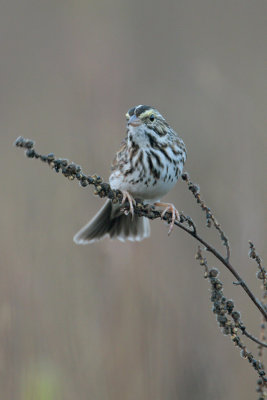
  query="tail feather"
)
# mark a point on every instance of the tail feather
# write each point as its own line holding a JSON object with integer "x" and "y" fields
{"x": 109, "y": 221}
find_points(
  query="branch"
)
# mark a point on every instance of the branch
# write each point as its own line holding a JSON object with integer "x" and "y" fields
{"x": 73, "y": 171}
{"x": 229, "y": 266}
{"x": 222, "y": 307}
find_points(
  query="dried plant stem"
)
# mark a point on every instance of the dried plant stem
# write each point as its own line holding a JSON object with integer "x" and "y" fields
{"x": 262, "y": 275}
{"x": 228, "y": 319}
{"x": 227, "y": 264}
{"x": 72, "y": 171}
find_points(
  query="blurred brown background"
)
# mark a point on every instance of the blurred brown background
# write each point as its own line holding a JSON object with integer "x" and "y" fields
{"x": 127, "y": 321}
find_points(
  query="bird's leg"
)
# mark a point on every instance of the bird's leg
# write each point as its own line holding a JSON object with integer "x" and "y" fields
{"x": 169, "y": 208}
{"x": 127, "y": 196}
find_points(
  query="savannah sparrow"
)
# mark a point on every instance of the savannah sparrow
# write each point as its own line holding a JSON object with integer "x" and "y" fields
{"x": 146, "y": 167}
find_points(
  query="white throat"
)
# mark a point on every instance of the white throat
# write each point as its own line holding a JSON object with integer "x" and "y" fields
{"x": 138, "y": 135}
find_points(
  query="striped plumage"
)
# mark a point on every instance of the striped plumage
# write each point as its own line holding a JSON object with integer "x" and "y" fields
{"x": 147, "y": 166}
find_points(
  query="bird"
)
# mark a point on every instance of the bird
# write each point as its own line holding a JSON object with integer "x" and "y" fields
{"x": 147, "y": 166}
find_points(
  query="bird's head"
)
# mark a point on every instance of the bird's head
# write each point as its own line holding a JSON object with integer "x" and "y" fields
{"x": 146, "y": 119}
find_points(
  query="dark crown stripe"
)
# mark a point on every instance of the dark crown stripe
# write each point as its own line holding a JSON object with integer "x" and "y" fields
{"x": 140, "y": 109}
{"x": 131, "y": 111}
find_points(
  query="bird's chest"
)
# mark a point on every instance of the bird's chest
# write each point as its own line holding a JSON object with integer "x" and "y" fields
{"x": 156, "y": 182}
{"x": 148, "y": 175}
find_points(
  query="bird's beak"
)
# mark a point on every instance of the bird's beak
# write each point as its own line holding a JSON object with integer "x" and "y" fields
{"x": 134, "y": 121}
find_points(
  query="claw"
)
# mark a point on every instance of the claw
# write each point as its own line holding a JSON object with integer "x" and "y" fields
{"x": 175, "y": 214}
{"x": 127, "y": 196}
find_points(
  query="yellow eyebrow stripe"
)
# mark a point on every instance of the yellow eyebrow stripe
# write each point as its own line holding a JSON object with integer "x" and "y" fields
{"x": 147, "y": 113}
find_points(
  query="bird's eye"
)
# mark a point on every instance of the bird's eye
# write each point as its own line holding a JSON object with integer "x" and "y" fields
{"x": 152, "y": 117}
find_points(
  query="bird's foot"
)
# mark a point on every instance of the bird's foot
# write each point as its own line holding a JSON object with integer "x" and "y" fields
{"x": 127, "y": 196}
{"x": 174, "y": 212}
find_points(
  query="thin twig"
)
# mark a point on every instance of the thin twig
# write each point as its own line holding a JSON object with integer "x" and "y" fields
{"x": 254, "y": 339}
{"x": 262, "y": 276}
{"x": 210, "y": 217}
